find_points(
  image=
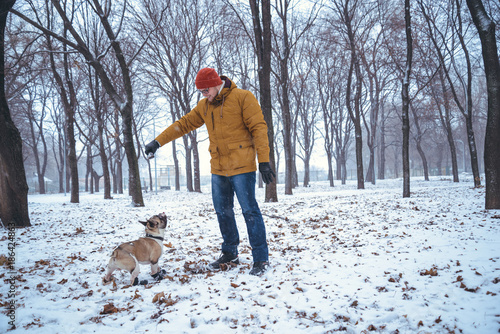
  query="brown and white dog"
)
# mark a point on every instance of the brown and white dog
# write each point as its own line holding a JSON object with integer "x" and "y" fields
{"x": 145, "y": 250}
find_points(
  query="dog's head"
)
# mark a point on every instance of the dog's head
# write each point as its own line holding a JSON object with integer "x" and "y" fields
{"x": 155, "y": 224}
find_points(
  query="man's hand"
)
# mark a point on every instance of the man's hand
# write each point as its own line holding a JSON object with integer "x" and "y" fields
{"x": 268, "y": 175}
{"x": 152, "y": 147}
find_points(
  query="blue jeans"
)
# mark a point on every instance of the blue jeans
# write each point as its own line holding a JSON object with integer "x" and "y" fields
{"x": 223, "y": 190}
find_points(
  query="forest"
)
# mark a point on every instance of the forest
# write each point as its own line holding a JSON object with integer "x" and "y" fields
{"x": 383, "y": 88}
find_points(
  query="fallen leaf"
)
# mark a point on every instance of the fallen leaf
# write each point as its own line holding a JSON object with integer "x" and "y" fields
{"x": 158, "y": 297}
{"x": 109, "y": 309}
{"x": 430, "y": 272}
{"x": 3, "y": 260}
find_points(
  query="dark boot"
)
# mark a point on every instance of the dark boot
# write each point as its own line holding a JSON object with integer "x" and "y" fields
{"x": 226, "y": 258}
{"x": 259, "y": 268}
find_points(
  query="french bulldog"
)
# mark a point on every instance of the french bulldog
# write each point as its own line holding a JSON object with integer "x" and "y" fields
{"x": 146, "y": 250}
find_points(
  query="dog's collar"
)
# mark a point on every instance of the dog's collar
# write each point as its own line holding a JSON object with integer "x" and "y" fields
{"x": 154, "y": 237}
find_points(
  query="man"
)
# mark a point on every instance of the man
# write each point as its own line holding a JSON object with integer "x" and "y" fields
{"x": 237, "y": 133}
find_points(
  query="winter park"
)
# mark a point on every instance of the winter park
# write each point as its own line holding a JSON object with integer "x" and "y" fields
{"x": 341, "y": 261}
{"x": 229, "y": 166}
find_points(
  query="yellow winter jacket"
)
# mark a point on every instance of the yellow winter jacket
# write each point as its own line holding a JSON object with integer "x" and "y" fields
{"x": 236, "y": 130}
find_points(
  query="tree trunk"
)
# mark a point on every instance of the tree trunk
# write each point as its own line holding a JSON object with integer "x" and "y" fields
{"x": 469, "y": 112}
{"x": 283, "y": 83}
{"x": 119, "y": 176}
{"x": 339, "y": 164}
{"x": 189, "y": 172}
{"x": 263, "y": 50}
{"x": 196, "y": 162}
{"x": 118, "y": 158}
{"x": 174, "y": 154}
{"x": 381, "y": 160}
{"x": 486, "y": 29}
{"x": 444, "y": 117}
{"x": 59, "y": 156}
{"x": 371, "y": 126}
{"x": 176, "y": 167}
{"x": 96, "y": 179}
{"x": 105, "y": 167}
{"x": 370, "y": 171}
{"x": 37, "y": 135}
{"x": 13, "y": 185}
{"x": 68, "y": 99}
{"x": 356, "y": 113}
{"x": 307, "y": 172}
{"x": 287, "y": 130}
{"x": 406, "y": 102}
{"x": 100, "y": 110}
{"x": 150, "y": 173}
{"x": 133, "y": 167}
{"x": 343, "y": 165}
{"x": 88, "y": 171}
{"x": 330, "y": 168}
{"x": 355, "y": 116}
{"x": 418, "y": 142}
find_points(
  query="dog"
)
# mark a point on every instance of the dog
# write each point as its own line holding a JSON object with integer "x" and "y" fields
{"x": 145, "y": 250}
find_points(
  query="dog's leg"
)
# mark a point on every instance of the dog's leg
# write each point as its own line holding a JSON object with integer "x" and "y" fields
{"x": 154, "y": 268}
{"x": 156, "y": 273}
{"x": 111, "y": 267}
{"x": 135, "y": 272}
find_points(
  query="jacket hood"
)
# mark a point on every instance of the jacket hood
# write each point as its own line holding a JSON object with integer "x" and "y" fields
{"x": 229, "y": 85}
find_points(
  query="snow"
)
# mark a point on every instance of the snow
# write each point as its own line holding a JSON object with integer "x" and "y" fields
{"x": 342, "y": 260}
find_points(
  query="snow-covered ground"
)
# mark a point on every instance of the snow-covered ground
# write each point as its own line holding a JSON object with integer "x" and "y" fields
{"x": 342, "y": 260}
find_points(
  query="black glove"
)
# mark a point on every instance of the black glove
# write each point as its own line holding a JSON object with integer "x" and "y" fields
{"x": 152, "y": 147}
{"x": 267, "y": 172}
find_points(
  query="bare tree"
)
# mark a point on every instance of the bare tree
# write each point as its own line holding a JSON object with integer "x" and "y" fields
{"x": 283, "y": 49}
{"x": 391, "y": 18}
{"x": 174, "y": 153}
{"x": 121, "y": 96}
{"x": 418, "y": 138}
{"x": 115, "y": 147}
{"x": 486, "y": 29}
{"x": 174, "y": 56}
{"x": 330, "y": 77}
{"x": 67, "y": 94}
{"x": 287, "y": 34}
{"x": 442, "y": 99}
{"x": 262, "y": 35}
{"x": 327, "y": 70}
{"x": 379, "y": 75}
{"x": 38, "y": 94}
{"x": 94, "y": 117}
{"x": 406, "y": 102}
{"x": 440, "y": 42}
{"x": 305, "y": 97}
{"x": 13, "y": 185}
{"x": 348, "y": 11}
{"x": 58, "y": 144}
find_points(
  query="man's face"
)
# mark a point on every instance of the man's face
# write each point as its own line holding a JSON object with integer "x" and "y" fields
{"x": 210, "y": 93}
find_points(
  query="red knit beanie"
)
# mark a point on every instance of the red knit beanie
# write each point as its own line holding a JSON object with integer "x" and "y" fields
{"x": 206, "y": 78}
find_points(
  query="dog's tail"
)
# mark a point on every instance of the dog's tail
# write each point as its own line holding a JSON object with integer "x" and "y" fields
{"x": 115, "y": 252}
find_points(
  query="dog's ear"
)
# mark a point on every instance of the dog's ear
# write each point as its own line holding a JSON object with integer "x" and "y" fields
{"x": 143, "y": 223}
{"x": 163, "y": 216}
